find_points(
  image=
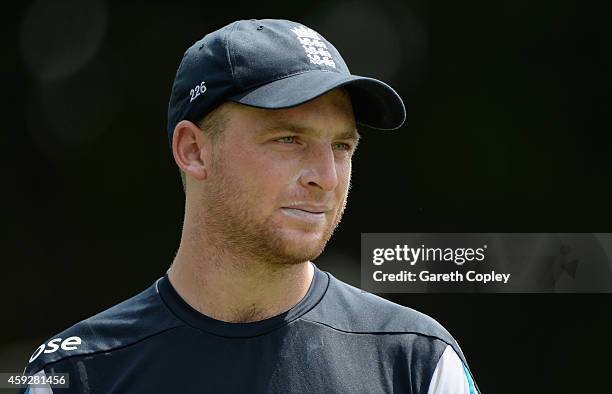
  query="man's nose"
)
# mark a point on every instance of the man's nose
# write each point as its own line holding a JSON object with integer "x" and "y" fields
{"x": 319, "y": 168}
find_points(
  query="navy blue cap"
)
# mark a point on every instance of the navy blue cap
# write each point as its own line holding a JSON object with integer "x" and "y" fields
{"x": 273, "y": 64}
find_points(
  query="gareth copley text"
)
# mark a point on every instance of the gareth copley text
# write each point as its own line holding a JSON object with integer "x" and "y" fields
{"x": 411, "y": 255}
{"x": 426, "y": 276}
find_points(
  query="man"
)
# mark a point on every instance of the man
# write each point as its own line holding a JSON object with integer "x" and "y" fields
{"x": 262, "y": 124}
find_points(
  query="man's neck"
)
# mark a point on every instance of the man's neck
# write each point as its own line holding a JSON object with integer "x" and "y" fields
{"x": 223, "y": 288}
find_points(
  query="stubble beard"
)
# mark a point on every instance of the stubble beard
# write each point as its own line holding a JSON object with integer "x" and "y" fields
{"x": 232, "y": 227}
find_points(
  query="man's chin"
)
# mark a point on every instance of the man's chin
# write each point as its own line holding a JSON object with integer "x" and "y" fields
{"x": 303, "y": 248}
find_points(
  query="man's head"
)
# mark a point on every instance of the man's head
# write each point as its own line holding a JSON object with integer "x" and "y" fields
{"x": 268, "y": 168}
{"x": 272, "y": 184}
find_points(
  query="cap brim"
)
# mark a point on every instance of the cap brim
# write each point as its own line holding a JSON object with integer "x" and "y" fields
{"x": 375, "y": 104}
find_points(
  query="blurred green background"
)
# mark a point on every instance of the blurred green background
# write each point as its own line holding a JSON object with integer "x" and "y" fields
{"x": 508, "y": 131}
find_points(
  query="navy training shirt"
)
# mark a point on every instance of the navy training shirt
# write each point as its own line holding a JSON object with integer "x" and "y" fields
{"x": 337, "y": 339}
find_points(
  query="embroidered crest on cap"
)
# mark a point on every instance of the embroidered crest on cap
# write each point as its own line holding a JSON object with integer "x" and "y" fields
{"x": 315, "y": 49}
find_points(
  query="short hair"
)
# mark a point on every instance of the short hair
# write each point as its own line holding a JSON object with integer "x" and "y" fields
{"x": 212, "y": 124}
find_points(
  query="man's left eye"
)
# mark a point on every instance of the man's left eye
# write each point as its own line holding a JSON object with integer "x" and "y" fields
{"x": 341, "y": 146}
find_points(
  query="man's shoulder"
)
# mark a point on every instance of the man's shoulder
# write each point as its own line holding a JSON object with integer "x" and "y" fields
{"x": 349, "y": 309}
{"x": 123, "y": 324}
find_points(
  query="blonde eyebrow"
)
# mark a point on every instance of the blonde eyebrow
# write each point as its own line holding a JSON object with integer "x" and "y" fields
{"x": 350, "y": 134}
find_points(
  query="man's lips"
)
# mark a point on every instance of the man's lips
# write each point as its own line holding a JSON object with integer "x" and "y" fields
{"x": 309, "y": 213}
{"x": 310, "y": 208}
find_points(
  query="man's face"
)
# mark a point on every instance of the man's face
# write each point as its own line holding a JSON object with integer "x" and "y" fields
{"x": 279, "y": 179}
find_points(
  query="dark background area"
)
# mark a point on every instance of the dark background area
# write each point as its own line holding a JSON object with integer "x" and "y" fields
{"x": 507, "y": 131}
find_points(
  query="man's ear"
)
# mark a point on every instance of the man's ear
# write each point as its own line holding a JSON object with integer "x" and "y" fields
{"x": 190, "y": 147}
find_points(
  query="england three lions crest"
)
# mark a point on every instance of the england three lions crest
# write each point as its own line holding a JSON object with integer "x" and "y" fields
{"x": 315, "y": 48}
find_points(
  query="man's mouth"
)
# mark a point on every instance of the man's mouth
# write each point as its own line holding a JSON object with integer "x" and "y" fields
{"x": 310, "y": 213}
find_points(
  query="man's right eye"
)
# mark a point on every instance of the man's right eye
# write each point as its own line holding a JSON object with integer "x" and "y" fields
{"x": 287, "y": 139}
